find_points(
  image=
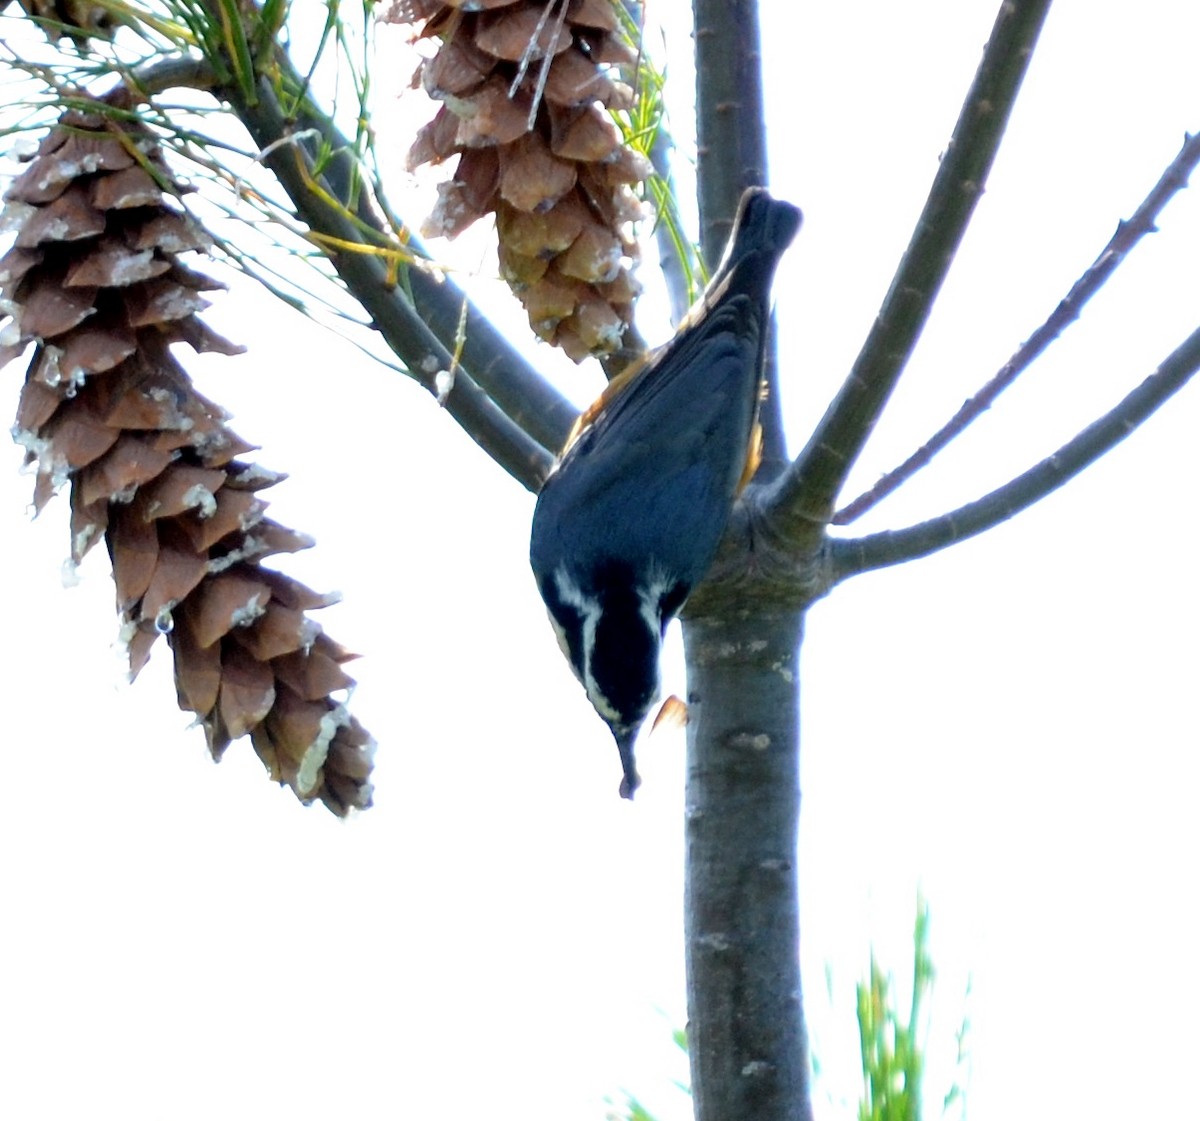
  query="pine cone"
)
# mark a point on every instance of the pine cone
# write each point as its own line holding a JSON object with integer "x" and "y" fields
{"x": 525, "y": 85}
{"x": 95, "y": 282}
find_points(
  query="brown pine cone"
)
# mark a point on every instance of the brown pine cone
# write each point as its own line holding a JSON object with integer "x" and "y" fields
{"x": 94, "y": 281}
{"x": 526, "y": 86}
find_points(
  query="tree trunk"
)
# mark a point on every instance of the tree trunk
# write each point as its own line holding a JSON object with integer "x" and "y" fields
{"x": 749, "y": 1055}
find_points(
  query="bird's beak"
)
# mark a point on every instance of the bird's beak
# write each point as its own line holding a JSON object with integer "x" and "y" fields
{"x": 631, "y": 781}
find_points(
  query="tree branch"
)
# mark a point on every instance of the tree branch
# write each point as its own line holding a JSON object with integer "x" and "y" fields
{"x": 404, "y": 330}
{"x": 879, "y": 550}
{"x": 498, "y": 367}
{"x": 679, "y": 282}
{"x": 810, "y": 488}
{"x": 497, "y": 371}
{"x": 146, "y": 82}
{"x": 1069, "y": 309}
{"x": 731, "y": 153}
{"x": 731, "y": 134}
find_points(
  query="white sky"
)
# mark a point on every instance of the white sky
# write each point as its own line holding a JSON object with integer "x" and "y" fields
{"x": 1010, "y": 724}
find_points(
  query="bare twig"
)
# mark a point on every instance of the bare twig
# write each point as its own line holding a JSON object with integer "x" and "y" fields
{"x": 879, "y": 550}
{"x": 1127, "y": 236}
{"x": 806, "y": 495}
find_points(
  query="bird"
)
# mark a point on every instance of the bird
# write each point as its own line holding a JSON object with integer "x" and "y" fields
{"x": 629, "y": 519}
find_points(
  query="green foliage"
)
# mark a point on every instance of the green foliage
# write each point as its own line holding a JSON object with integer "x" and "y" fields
{"x": 629, "y": 1108}
{"x": 893, "y": 1045}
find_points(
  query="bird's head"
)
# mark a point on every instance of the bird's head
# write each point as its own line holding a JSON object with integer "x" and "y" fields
{"x": 612, "y": 636}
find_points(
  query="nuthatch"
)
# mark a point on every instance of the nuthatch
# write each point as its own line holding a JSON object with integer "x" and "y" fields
{"x": 629, "y": 520}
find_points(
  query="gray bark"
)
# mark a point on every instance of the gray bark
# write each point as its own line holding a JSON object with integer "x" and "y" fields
{"x": 745, "y": 1020}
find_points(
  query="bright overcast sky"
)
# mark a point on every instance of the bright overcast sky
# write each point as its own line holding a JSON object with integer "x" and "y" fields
{"x": 1009, "y": 725}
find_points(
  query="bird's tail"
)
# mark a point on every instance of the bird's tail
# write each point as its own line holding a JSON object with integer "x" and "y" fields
{"x": 763, "y": 228}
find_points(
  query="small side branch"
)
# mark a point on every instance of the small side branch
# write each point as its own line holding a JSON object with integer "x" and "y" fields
{"x": 1128, "y": 234}
{"x": 814, "y": 480}
{"x": 879, "y": 550}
